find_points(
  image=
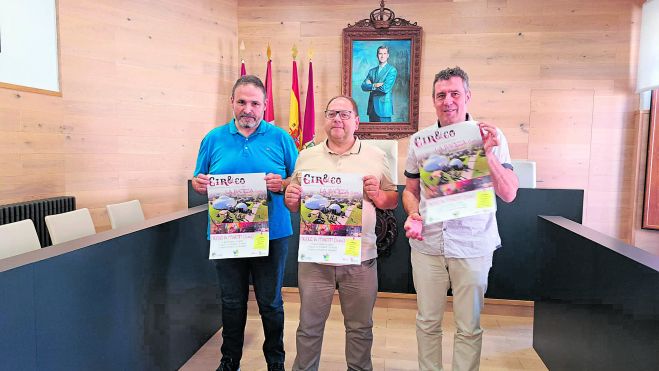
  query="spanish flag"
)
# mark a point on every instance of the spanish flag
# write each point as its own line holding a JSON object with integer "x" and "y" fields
{"x": 294, "y": 127}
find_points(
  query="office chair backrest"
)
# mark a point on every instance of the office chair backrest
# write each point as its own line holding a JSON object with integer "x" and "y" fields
{"x": 125, "y": 213}
{"x": 70, "y": 226}
{"x": 18, "y": 238}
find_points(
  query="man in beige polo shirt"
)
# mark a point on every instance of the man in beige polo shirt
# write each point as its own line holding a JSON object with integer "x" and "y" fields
{"x": 342, "y": 152}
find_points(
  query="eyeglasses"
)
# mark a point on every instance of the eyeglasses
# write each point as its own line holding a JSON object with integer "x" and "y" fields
{"x": 343, "y": 114}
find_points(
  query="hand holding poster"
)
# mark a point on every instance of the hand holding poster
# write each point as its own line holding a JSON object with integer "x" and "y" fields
{"x": 331, "y": 218}
{"x": 238, "y": 210}
{"x": 455, "y": 177}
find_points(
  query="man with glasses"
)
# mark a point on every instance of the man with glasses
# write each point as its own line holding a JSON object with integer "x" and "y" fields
{"x": 459, "y": 252}
{"x": 342, "y": 152}
{"x": 248, "y": 144}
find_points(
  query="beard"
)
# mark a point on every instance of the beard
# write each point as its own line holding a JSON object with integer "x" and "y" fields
{"x": 247, "y": 121}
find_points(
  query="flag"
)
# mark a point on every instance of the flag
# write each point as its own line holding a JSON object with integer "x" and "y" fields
{"x": 243, "y": 71}
{"x": 270, "y": 107}
{"x": 309, "y": 128}
{"x": 294, "y": 112}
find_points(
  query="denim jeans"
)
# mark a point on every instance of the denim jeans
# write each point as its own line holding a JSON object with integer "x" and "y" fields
{"x": 267, "y": 277}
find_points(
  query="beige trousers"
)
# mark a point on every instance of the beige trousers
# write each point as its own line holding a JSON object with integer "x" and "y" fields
{"x": 358, "y": 288}
{"x": 433, "y": 275}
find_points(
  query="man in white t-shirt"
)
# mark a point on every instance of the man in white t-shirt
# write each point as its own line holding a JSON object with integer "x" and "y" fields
{"x": 456, "y": 253}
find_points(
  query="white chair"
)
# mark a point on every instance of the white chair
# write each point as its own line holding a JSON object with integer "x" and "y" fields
{"x": 390, "y": 148}
{"x": 525, "y": 171}
{"x": 125, "y": 213}
{"x": 70, "y": 226}
{"x": 18, "y": 238}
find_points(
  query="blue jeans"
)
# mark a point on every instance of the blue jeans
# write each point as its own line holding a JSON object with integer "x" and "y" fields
{"x": 267, "y": 278}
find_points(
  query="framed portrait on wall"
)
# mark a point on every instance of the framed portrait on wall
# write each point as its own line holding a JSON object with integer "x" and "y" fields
{"x": 381, "y": 66}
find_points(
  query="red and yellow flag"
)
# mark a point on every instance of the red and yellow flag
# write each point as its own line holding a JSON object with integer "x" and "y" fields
{"x": 294, "y": 127}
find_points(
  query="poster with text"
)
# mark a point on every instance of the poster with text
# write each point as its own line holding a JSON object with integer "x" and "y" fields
{"x": 455, "y": 176}
{"x": 238, "y": 211}
{"x": 331, "y": 218}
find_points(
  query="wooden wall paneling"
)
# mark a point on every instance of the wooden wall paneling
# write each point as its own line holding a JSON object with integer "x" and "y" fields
{"x": 142, "y": 83}
{"x": 10, "y": 163}
{"x": 307, "y": 11}
{"x": 595, "y": 71}
{"x": 321, "y": 28}
{"x": 25, "y": 142}
{"x": 129, "y": 162}
{"x": 611, "y": 174}
{"x": 153, "y": 113}
{"x": 102, "y": 180}
{"x": 28, "y": 186}
{"x": 493, "y": 101}
{"x": 534, "y": 23}
{"x": 160, "y": 78}
{"x": 277, "y": 33}
{"x": 91, "y": 200}
{"x": 154, "y": 177}
{"x": 33, "y": 121}
{"x": 525, "y": 48}
{"x": 41, "y": 163}
{"x": 154, "y": 84}
{"x": 621, "y": 7}
{"x": 559, "y": 137}
{"x": 10, "y": 118}
{"x": 87, "y": 37}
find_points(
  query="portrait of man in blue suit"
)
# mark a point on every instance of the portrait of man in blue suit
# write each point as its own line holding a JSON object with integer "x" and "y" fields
{"x": 382, "y": 90}
{"x": 379, "y": 83}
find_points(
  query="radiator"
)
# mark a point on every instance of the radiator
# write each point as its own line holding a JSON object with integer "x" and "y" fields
{"x": 37, "y": 210}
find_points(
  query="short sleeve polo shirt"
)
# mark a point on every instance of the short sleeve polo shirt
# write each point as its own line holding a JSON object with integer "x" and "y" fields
{"x": 224, "y": 150}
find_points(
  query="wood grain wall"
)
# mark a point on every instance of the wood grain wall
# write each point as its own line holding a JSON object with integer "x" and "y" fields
{"x": 142, "y": 82}
{"x": 557, "y": 77}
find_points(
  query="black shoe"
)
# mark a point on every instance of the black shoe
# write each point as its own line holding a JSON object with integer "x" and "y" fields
{"x": 227, "y": 364}
{"x": 276, "y": 367}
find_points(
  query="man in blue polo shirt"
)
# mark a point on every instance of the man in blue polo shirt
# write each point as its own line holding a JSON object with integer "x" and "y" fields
{"x": 248, "y": 144}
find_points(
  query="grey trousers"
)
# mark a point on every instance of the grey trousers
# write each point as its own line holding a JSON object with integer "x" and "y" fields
{"x": 358, "y": 288}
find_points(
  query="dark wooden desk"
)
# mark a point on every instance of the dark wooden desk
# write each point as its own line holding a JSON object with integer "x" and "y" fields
{"x": 138, "y": 298}
{"x": 598, "y": 307}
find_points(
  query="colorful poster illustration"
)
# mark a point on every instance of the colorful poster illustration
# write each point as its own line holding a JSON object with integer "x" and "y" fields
{"x": 455, "y": 176}
{"x": 238, "y": 211}
{"x": 331, "y": 218}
